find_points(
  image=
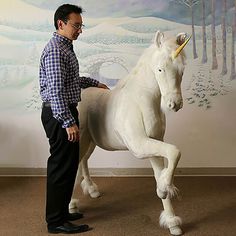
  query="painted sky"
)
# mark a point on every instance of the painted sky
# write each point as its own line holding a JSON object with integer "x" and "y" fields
{"x": 167, "y": 9}
{"x": 116, "y": 8}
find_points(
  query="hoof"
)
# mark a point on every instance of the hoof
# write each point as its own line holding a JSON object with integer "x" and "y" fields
{"x": 161, "y": 194}
{"x": 171, "y": 222}
{"x": 74, "y": 206}
{"x": 94, "y": 194}
{"x": 90, "y": 189}
{"x": 176, "y": 230}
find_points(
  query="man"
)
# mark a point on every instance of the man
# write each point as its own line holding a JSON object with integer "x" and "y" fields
{"x": 60, "y": 87}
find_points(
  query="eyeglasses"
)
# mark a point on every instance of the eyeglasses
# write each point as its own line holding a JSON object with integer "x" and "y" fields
{"x": 77, "y": 27}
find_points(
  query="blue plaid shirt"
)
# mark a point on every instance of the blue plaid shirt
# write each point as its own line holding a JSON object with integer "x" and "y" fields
{"x": 60, "y": 83}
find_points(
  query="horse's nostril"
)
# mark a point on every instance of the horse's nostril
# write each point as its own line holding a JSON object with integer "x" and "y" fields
{"x": 172, "y": 105}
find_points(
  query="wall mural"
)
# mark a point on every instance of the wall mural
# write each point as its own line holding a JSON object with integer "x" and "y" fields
{"x": 115, "y": 35}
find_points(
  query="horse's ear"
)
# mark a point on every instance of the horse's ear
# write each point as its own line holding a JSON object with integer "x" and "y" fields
{"x": 180, "y": 38}
{"x": 158, "y": 38}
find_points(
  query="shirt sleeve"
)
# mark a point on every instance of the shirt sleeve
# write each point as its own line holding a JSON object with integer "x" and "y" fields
{"x": 55, "y": 73}
{"x": 86, "y": 82}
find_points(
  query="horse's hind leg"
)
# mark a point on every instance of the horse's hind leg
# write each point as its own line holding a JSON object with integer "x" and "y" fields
{"x": 86, "y": 148}
{"x": 74, "y": 203}
{"x": 168, "y": 219}
{"x": 87, "y": 184}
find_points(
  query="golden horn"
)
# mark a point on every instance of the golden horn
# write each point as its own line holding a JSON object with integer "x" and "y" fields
{"x": 180, "y": 48}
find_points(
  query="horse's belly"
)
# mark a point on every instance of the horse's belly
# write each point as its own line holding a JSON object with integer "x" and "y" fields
{"x": 106, "y": 138}
{"x": 100, "y": 118}
{"x": 109, "y": 144}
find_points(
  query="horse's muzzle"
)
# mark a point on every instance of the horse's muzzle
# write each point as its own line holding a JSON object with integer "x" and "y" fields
{"x": 175, "y": 105}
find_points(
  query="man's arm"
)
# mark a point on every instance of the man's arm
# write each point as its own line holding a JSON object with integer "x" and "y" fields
{"x": 101, "y": 85}
{"x": 86, "y": 82}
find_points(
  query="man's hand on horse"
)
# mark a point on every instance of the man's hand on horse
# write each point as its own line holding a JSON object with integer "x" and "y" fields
{"x": 101, "y": 85}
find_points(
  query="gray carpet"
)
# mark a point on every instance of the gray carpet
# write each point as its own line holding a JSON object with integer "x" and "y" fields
{"x": 128, "y": 207}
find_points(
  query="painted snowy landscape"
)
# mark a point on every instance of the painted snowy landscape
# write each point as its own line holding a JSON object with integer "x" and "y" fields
{"x": 107, "y": 50}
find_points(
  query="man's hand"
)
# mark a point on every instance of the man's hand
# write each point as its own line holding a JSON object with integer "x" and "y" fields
{"x": 101, "y": 85}
{"x": 73, "y": 133}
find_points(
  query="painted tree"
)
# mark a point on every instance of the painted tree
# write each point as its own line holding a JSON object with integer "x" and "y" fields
{"x": 213, "y": 33}
{"x": 233, "y": 74}
{"x": 223, "y": 27}
{"x": 33, "y": 56}
{"x": 204, "y": 41}
{"x": 4, "y": 79}
{"x": 190, "y": 4}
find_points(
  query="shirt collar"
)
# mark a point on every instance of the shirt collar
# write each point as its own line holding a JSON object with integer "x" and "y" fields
{"x": 63, "y": 39}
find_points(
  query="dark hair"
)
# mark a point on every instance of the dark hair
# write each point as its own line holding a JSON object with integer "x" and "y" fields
{"x": 64, "y": 11}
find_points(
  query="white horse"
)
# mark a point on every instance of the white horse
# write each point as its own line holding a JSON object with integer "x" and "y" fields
{"x": 131, "y": 117}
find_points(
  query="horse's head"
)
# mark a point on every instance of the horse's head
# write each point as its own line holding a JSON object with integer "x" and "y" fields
{"x": 168, "y": 66}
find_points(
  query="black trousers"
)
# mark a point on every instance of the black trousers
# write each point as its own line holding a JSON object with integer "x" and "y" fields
{"x": 62, "y": 167}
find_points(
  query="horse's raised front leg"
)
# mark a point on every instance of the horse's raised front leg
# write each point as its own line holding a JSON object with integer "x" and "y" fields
{"x": 144, "y": 147}
{"x": 165, "y": 176}
{"x": 168, "y": 219}
{"x": 165, "y": 186}
{"x": 150, "y": 147}
{"x": 134, "y": 136}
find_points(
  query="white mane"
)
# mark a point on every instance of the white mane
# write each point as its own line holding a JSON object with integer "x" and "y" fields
{"x": 165, "y": 51}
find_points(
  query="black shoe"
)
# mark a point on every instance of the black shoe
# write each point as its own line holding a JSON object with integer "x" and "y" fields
{"x": 74, "y": 216}
{"x": 68, "y": 228}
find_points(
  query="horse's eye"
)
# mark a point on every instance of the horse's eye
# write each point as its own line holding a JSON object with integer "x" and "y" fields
{"x": 160, "y": 70}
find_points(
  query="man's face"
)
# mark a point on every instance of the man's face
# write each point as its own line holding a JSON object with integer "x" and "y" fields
{"x": 72, "y": 28}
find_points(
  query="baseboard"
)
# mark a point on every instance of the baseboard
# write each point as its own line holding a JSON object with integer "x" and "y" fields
{"x": 125, "y": 172}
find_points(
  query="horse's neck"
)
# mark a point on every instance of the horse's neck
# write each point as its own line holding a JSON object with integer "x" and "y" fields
{"x": 141, "y": 78}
